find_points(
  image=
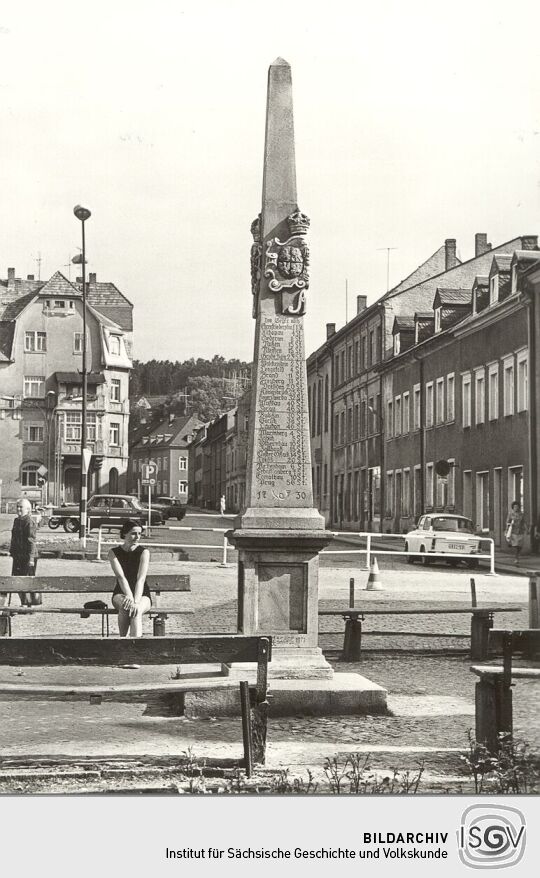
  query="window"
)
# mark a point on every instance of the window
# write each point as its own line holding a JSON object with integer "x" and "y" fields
{"x": 77, "y": 342}
{"x": 493, "y": 392}
{"x": 417, "y": 408}
{"x": 363, "y": 418}
{"x": 114, "y": 434}
{"x": 397, "y": 416}
{"x": 165, "y": 487}
{"x": 349, "y": 425}
{"x": 466, "y": 399}
{"x": 182, "y": 487}
{"x": 467, "y": 493}
{"x": 182, "y": 463}
{"x": 429, "y": 404}
{"x": 417, "y": 489}
{"x": 35, "y": 342}
{"x": 397, "y": 345}
{"x": 326, "y": 403}
{"x": 508, "y": 367}
{"x": 480, "y": 396}
{"x": 115, "y": 389}
{"x": 342, "y": 366}
{"x": 356, "y": 357}
{"x": 439, "y": 401}
{"x": 494, "y": 289}
{"x": 29, "y": 475}
{"x": 349, "y": 362}
{"x": 356, "y": 422}
{"x": 34, "y": 386}
{"x": 166, "y": 464}
{"x": 429, "y": 484}
{"x": 319, "y": 408}
{"x": 440, "y": 491}
{"x": 390, "y": 418}
{"x": 522, "y": 382}
{"x": 114, "y": 345}
{"x": 72, "y": 426}
{"x": 389, "y": 494}
{"x": 451, "y": 484}
{"x": 450, "y": 397}
{"x": 325, "y": 479}
{"x": 336, "y": 370}
{"x": 363, "y": 348}
{"x": 406, "y": 414}
{"x": 437, "y": 326}
{"x": 34, "y": 433}
{"x": 406, "y": 498}
{"x": 342, "y": 427}
{"x": 371, "y": 347}
{"x": 59, "y": 303}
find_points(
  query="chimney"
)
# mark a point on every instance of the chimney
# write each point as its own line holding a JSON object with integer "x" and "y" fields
{"x": 330, "y": 330}
{"x": 92, "y": 277}
{"x": 481, "y": 245}
{"x": 11, "y": 273}
{"x": 529, "y": 242}
{"x": 30, "y": 277}
{"x": 361, "y": 304}
{"x": 450, "y": 253}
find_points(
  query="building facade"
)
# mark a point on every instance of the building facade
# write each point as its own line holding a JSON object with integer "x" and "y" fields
{"x": 398, "y": 376}
{"x": 41, "y": 344}
{"x": 167, "y": 445}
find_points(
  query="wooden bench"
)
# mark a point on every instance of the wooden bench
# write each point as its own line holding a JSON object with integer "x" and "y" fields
{"x": 493, "y": 696}
{"x": 166, "y": 583}
{"x": 481, "y": 623}
{"x": 120, "y": 651}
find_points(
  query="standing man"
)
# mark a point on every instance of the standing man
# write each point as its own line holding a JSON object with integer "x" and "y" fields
{"x": 23, "y": 549}
{"x": 222, "y": 505}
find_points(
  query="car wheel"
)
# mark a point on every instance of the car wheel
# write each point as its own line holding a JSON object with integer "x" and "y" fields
{"x": 410, "y": 558}
{"x": 71, "y": 525}
{"x": 424, "y": 560}
{"x": 54, "y": 523}
{"x": 472, "y": 564}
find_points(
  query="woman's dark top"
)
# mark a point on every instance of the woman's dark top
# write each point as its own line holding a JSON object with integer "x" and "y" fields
{"x": 129, "y": 562}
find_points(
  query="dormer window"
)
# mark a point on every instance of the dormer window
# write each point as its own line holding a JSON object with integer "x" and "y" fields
{"x": 494, "y": 289}
{"x": 438, "y": 319}
{"x": 59, "y": 303}
{"x": 114, "y": 345}
{"x": 397, "y": 344}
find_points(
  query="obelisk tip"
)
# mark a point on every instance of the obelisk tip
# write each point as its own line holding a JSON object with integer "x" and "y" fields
{"x": 280, "y": 62}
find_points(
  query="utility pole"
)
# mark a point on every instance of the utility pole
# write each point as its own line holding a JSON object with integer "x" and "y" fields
{"x": 346, "y": 300}
{"x": 387, "y": 264}
{"x": 38, "y": 262}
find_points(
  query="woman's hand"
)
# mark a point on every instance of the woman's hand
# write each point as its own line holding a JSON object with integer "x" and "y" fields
{"x": 129, "y": 605}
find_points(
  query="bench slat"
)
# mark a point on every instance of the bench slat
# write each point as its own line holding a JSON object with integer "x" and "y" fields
{"x": 106, "y": 611}
{"x": 88, "y": 584}
{"x": 33, "y": 691}
{"x": 474, "y": 611}
{"x": 202, "y": 649}
{"x": 524, "y": 640}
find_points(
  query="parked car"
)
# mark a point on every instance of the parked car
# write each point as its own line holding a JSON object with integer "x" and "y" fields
{"x": 104, "y": 510}
{"x": 170, "y": 507}
{"x": 443, "y": 533}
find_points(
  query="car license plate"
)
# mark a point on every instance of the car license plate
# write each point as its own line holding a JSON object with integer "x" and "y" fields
{"x": 456, "y": 547}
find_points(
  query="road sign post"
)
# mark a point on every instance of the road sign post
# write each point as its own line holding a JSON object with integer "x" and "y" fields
{"x": 149, "y": 473}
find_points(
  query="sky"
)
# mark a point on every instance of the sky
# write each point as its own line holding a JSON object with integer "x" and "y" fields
{"x": 414, "y": 122}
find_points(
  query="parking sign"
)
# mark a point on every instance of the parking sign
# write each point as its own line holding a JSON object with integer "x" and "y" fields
{"x": 149, "y": 473}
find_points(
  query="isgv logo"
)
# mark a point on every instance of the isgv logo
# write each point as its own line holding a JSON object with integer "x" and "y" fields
{"x": 491, "y": 836}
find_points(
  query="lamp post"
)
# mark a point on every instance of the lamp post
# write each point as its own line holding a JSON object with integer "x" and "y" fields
{"x": 82, "y": 214}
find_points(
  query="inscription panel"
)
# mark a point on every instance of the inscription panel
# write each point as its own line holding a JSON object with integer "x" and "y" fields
{"x": 282, "y": 461}
{"x": 281, "y": 597}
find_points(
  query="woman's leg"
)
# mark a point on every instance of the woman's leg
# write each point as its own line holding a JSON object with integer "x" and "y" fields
{"x": 123, "y": 615}
{"x": 135, "y": 623}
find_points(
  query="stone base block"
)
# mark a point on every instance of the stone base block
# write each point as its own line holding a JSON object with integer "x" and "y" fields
{"x": 343, "y": 694}
{"x": 288, "y": 663}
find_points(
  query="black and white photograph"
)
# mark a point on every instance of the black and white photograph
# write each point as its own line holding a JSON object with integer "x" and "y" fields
{"x": 269, "y": 443}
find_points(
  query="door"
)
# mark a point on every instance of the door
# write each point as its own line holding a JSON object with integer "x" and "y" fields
{"x": 498, "y": 526}
{"x": 72, "y": 485}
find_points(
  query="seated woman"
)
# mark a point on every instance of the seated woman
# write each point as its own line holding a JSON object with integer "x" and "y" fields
{"x": 131, "y": 595}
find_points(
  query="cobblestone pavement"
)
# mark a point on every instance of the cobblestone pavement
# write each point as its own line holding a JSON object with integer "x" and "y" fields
{"x": 430, "y": 697}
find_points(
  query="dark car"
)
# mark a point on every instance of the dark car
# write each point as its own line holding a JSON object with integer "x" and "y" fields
{"x": 170, "y": 507}
{"x": 107, "y": 510}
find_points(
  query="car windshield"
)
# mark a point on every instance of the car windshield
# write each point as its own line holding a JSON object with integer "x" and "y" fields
{"x": 459, "y": 525}
{"x": 135, "y": 502}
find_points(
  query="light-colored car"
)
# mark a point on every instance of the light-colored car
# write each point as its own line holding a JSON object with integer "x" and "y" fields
{"x": 442, "y": 533}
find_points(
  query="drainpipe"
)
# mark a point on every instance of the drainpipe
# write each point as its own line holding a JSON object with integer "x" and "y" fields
{"x": 533, "y": 419}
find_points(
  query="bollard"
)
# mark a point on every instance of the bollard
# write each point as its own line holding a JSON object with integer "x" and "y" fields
{"x": 225, "y": 547}
{"x": 534, "y": 618}
{"x": 368, "y": 552}
{"x": 351, "y": 592}
{"x": 473, "y": 593}
{"x": 98, "y": 556}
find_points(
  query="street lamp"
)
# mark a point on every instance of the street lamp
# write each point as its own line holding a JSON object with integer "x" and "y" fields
{"x": 82, "y": 214}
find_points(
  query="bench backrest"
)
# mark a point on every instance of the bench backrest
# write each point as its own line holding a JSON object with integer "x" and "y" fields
{"x": 523, "y": 641}
{"x": 166, "y": 582}
{"x": 110, "y": 651}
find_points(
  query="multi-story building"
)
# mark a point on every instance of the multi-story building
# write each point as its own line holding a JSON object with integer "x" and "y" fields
{"x": 41, "y": 343}
{"x": 458, "y": 428}
{"x": 385, "y": 389}
{"x": 236, "y": 445}
{"x": 167, "y": 445}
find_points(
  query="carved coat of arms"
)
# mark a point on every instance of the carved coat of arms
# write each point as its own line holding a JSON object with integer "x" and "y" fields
{"x": 286, "y": 264}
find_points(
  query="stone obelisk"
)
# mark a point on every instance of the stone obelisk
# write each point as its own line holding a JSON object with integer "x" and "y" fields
{"x": 280, "y": 533}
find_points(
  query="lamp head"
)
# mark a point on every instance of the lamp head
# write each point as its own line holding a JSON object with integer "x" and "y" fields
{"x": 82, "y": 213}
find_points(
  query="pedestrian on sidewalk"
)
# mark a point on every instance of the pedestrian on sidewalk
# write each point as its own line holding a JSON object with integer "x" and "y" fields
{"x": 516, "y": 528}
{"x": 23, "y": 549}
{"x": 131, "y": 595}
{"x": 222, "y": 505}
